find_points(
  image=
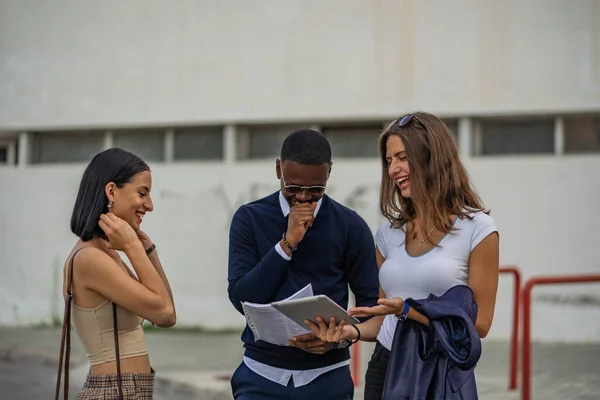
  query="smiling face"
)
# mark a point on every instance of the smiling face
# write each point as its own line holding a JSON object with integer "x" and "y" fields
{"x": 132, "y": 201}
{"x": 302, "y": 183}
{"x": 397, "y": 161}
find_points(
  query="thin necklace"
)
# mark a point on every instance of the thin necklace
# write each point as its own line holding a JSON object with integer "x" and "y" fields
{"x": 421, "y": 241}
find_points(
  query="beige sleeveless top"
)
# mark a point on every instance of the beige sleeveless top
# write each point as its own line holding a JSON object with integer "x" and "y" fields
{"x": 94, "y": 327}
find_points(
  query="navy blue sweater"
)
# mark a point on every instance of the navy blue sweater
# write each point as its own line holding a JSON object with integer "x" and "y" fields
{"x": 337, "y": 251}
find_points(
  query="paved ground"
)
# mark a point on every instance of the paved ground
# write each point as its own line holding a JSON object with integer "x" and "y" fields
{"x": 193, "y": 365}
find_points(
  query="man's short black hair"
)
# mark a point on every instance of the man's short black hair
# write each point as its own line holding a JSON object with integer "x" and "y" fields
{"x": 306, "y": 147}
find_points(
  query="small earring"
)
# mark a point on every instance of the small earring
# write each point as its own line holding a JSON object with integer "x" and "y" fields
{"x": 110, "y": 205}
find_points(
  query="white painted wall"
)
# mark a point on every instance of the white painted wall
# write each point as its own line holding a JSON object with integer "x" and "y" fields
{"x": 144, "y": 62}
{"x": 545, "y": 207}
{"x": 71, "y": 63}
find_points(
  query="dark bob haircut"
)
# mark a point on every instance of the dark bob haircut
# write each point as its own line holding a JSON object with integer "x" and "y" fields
{"x": 112, "y": 165}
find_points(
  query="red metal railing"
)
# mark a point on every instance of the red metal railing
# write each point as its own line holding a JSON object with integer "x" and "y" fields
{"x": 514, "y": 337}
{"x": 540, "y": 280}
{"x": 355, "y": 360}
{"x": 355, "y": 357}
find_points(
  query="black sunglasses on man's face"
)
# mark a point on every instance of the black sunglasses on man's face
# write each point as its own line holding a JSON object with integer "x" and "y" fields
{"x": 295, "y": 189}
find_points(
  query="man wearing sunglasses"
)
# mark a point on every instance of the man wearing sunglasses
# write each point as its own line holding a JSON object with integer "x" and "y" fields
{"x": 279, "y": 244}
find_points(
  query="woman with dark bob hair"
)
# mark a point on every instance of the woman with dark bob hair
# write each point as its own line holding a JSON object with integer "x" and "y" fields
{"x": 104, "y": 301}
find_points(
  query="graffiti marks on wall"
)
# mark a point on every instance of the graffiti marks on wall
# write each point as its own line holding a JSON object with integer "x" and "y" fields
{"x": 362, "y": 198}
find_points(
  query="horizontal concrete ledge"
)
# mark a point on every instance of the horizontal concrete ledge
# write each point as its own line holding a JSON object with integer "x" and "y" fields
{"x": 207, "y": 385}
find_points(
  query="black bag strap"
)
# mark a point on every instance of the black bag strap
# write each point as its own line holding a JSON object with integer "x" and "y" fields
{"x": 117, "y": 354}
{"x": 65, "y": 341}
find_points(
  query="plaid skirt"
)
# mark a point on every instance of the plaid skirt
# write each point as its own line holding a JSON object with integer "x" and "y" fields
{"x": 136, "y": 386}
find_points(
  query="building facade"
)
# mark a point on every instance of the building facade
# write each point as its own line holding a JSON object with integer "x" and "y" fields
{"x": 206, "y": 91}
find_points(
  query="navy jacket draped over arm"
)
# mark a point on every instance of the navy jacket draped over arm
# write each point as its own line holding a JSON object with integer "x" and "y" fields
{"x": 436, "y": 362}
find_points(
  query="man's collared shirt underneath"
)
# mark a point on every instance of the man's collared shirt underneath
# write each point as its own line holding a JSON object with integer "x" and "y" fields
{"x": 280, "y": 375}
{"x": 283, "y": 376}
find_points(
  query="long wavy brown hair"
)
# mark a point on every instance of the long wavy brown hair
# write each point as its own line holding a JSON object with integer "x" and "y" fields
{"x": 439, "y": 183}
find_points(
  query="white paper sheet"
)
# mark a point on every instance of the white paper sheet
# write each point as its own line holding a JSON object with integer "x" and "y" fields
{"x": 268, "y": 324}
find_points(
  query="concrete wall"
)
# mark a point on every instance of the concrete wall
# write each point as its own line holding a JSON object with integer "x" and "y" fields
{"x": 148, "y": 62}
{"x": 547, "y": 228}
{"x": 111, "y": 63}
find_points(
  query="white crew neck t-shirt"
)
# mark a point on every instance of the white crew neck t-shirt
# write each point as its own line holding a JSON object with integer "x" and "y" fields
{"x": 436, "y": 271}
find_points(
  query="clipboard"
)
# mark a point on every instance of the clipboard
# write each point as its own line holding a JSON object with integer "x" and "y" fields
{"x": 309, "y": 308}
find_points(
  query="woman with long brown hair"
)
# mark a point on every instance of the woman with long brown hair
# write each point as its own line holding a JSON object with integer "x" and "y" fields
{"x": 437, "y": 235}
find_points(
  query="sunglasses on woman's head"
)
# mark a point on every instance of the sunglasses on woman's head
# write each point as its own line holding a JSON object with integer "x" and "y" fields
{"x": 406, "y": 119}
{"x": 295, "y": 189}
